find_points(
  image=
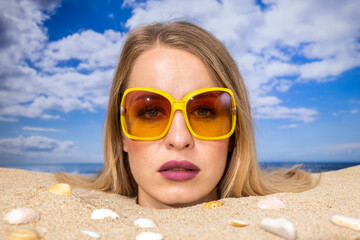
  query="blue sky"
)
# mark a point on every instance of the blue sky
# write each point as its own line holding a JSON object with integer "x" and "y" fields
{"x": 299, "y": 59}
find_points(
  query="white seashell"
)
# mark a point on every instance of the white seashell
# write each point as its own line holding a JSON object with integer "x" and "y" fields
{"x": 21, "y": 216}
{"x": 103, "y": 213}
{"x": 270, "y": 202}
{"x": 149, "y": 236}
{"x": 91, "y": 234}
{"x": 144, "y": 223}
{"x": 348, "y": 222}
{"x": 280, "y": 227}
{"x": 238, "y": 223}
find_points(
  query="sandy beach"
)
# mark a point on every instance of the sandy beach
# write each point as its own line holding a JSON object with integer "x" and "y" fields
{"x": 64, "y": 217}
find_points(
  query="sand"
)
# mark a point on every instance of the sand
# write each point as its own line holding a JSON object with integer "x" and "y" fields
{"x": 63, "y": 217}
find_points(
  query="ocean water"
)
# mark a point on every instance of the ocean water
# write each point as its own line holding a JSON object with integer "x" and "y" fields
{"x": 93, "y": 168}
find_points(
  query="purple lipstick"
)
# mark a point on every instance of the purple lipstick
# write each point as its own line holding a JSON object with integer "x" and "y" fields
{"x": 179, "y": 170}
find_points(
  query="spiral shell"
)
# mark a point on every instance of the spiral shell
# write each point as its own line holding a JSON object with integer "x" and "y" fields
{"x": 61, "y": 188}
{"x": 213, "y": 204}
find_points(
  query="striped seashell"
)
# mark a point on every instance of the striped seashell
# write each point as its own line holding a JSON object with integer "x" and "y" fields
{"x": 348, "y": 222}
{"x": 24, "y": 234}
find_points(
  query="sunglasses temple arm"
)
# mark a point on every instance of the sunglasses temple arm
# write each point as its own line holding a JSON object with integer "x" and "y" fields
{"x": 233, "y": 110}
{"x": 122, "y": 110}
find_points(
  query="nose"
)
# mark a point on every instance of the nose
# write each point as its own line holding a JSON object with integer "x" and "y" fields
{"x": 179, "y": 137}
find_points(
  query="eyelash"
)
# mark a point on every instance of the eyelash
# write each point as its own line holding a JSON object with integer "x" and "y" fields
{"x": 143, "y": 112}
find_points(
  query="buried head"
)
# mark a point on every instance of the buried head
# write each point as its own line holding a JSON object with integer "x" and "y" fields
{"x": 177, "y": 169}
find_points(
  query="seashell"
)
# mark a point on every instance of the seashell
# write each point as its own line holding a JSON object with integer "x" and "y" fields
{"x": 144, "y": 223}
{"x": 213, "y": 204}
{"x": 103, "y": 213}
{"x": 61, "y": 188}
{"x": 21, "y": 216}
{"x": 280, "y": 227}
{"x": 270, "y": 202}
{"x": 348, "y": 222}
{"x": 149, "y": 236}
{"x": 91, "y": 234}
{"x": 24, "y": 234}
{"x": 238, "y": 223}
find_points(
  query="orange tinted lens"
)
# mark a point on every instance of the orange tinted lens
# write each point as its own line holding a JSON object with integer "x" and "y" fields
{"x": 210, "y": 113}
{"x": 146, "y": 114}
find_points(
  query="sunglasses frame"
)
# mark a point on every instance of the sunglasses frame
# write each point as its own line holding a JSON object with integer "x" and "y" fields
{"x": 177, "y": 105}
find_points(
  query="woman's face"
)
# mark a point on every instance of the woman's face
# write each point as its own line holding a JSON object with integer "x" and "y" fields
{"x": 177, "y": 72}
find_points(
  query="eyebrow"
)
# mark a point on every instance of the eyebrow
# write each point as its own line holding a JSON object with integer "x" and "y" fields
{"x": 158, "y": 96}
{"x": 151, "y": 94}
{"x": 209, "y": 94}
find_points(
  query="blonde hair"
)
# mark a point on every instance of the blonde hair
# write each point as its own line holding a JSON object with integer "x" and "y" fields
{"x": 242, "y": 176}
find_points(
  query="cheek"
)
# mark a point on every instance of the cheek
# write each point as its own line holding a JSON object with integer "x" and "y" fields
{"x": 214, "y": 155}
{"x": 139, "y": 148}
{"x": 139, "y": 153}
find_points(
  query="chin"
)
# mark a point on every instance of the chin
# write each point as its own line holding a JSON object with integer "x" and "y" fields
{"x": 176, "y": 200}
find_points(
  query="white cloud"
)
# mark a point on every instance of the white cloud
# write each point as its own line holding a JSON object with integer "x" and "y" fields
{"x": 279, "y": 112}
{"x": 128, "y": 3}
{"x": 264, "y": 43}
{"x": 342, "y": 112}
{"x": 342, "y": 147}
{"x": 261, "y": 101}
{"x": 41, "y": 129}
{"x": 64, "y": 92}
{"x": 22, "y": 34}
{"x": 91, "y": 49}
{"x": 289, "y": 126}
{"x": 284, "y": 85}
{"x": 4, "y": 119}
{"x": 342, "y": 150}
{"x": 34, "y": 145}
{"x": 48, "y": 116}
{"x": 327, "y": 69}
{"x": 277, "y": 68}
{"x": 74, "y": 73}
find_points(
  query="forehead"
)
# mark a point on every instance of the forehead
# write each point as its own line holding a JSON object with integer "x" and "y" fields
{"x": 175, "y": 71}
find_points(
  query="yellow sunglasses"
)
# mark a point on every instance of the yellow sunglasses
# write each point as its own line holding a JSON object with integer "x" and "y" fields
{"x": 147, "y": 113}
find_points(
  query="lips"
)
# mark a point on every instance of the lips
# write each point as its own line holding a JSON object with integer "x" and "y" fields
{"x": 179, "y": 170}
